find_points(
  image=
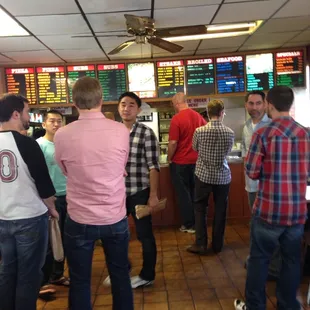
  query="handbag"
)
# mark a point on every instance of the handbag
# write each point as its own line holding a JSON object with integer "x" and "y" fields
{"x": 56, "y": 240}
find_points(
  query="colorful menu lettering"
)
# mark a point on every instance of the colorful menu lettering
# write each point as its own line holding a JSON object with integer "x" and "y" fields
{"x": 259, "y": 72}
{"x": 112, "y": 78}
{"x": 170, "y": 78}
{"x": 21, "y": 81}
{"x": 200, "y": 77}
{"x": 51, "y": 83}
{"x": 290, "y": 68}
{"x": 230, "y": 74}
{"x": 76, "y": 72}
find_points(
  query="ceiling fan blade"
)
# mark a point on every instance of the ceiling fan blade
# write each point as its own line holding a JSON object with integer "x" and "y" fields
{"x": 181, "y": 31}
{"x": 121, "y": 47}
{"x": 102, "y": 36}
{"x": 166, "y": 45}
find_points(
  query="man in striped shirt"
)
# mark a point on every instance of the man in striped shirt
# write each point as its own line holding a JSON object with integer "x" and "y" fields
{"x": 279, "y": 157}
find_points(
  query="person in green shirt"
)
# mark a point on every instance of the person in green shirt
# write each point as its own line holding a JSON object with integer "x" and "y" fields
{"x": 54, "y": 271}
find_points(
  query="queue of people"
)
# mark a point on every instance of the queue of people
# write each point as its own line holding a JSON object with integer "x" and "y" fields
{"x": 90, "y": 175}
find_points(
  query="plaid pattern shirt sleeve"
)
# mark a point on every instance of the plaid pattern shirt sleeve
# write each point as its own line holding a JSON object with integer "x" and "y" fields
{"x": 151, "y": 148}
{"x": 195, "y": 141}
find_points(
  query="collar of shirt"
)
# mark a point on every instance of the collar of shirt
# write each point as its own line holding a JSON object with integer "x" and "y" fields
{"x": 91, "y": 115}
{"x": 265, "y": 119}
{"x": 278, "y": 119}
{"x": 134, "y": 127}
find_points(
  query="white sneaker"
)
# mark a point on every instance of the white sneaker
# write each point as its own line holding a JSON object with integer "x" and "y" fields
{"x": 138, "y": 282}
{"x": 107, "y": 281}
{"x": 239, "y": 304}
{"x": 188, "y": 230}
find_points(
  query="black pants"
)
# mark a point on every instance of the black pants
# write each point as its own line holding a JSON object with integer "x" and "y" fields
{"x": 220, "y": 195}
{"x": 144, "y": 233}
{"x": 53, "y": 270}
{"x": 183, "y": 179}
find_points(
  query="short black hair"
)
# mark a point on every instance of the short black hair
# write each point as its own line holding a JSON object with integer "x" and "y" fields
{"x": 9, "y": 103}
{"x": 255, "y": 92}
{"x": 132, "y": 96}
{"x": 281, "y": 97}
{"x": 51, "y": 112}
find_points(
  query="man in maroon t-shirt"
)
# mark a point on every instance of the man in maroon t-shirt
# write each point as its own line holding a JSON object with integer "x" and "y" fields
{"x": 182, "y": 158}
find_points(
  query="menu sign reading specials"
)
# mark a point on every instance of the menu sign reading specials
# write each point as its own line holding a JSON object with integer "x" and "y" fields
{"x": 113, "y": 80}
{"x": 230, "y": 74}
{"x": 259, "y": 72}
{"x": 76, "y": 72}
{"x": 170, "y": 78}
{"x": 51, "y": 85}
{"x": 21, "y": 81}
{"x": 290, "y": 69}
{"x": 200, "y": 77}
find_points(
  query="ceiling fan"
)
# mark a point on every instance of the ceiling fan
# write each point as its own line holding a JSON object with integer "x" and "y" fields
{"x": 142, "y": 30}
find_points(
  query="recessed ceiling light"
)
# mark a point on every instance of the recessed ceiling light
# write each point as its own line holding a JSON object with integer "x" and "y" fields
{"x": 9, "y": 27}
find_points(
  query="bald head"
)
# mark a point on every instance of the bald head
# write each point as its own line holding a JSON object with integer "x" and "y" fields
{"x": 179, "y": 102}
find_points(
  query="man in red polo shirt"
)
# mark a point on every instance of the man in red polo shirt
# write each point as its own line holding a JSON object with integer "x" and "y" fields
{"x": 182, "y": 158}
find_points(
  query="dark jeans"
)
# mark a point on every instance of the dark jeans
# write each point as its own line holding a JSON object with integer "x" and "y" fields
{"x": 79, "y": 243}
{"x": 220, "y": 196}
{"x": 264, "y": 240}
{"x": 23, "y": 246}
{"x": 183, "y": 179}
{"x": 145, "y": 234}
{"x": 53, "y": 270}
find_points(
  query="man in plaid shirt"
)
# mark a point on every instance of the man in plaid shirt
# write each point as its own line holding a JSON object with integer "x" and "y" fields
{"x": 279, "y": 157}
{"x": 141, "y": 182}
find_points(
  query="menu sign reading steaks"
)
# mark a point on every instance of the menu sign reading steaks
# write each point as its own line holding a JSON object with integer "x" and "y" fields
{"x": 290, "y": 69}
{"x": 21, "y": 81}
{"x": 200, "y": 77}
{"x": 51, "y": 83}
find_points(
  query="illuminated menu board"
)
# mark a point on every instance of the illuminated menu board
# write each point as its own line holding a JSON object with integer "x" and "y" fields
{"x": 170, "y": 78}
{"x": 51, "y": 85}
{"x": 230, "y": 74}
{"x": 21, "y": 81}
{"x": 259, "y": 72}
{"x": 200, "y": 77}
{"x": 76, "y": 72}
{"x": 141, "y": 77}
{"x": 113, "y": 80}
{"x": 290, "y": 69}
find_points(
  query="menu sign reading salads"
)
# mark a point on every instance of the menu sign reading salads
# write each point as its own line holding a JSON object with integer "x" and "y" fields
{"x": 230, "y": 74}
{"x": 21, "y": 81}
{"x": 113, "y": 80}
{"x": 290, "y": 69}
{"x": 170, "y": 78}
{"x": 51, "y": 85}
{"x": 76, "y": 72}
{"x": 200, "y": 77}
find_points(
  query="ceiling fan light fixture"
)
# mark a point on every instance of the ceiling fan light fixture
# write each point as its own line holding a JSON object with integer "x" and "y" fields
{"x": 9, "y": 27}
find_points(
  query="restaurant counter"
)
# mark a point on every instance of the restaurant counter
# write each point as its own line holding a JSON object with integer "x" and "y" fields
{"x": 238, "y": 207}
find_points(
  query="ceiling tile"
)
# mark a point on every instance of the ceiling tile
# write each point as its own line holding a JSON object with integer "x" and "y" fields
{"x": 303, "y": 36}
{"x": 230, "y": 1}
{"x": 39, "y": 7}
{"x": 293, "y": 44}
{"x": 170, "y": 55}
{"x": 5, "y": 60}
{"x": 135, "y": 51}
{"x": 16, "y": 44}
{"x": 164, "y": 4}
{"x": 216, "y": 50}
{"x": 273, "y": 38}
{"x": 67, "y": 42}
{"x": 33, "y": 56}
{"x": 81, "y": 54}
{"x": 200, "y": 15}
{"x": 256, "y": 47}
{"x": 222, "y": 42}
{"x": 284, "y": 24}
{"x": 295, "y": 8}
{"x": 55, "y": 24}
{"x": 111, "y": 21}
{"x": 98, "y": 6}
{"x": 231, "y": 12}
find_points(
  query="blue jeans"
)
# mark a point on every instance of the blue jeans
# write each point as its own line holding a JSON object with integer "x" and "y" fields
{"x": 23, "y": 245}
{"x": 79, "y": 244}
{"x": 265, "y": 238}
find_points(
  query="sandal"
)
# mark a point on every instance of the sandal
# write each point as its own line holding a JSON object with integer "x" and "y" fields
{"x": 64, "y": 281}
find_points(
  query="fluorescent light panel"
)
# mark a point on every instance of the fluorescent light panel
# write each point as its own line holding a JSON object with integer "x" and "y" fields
{"x": 9, "y": 27}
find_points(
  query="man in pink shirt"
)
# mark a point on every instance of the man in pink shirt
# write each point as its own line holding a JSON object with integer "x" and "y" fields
{"x": 92, "y": 152}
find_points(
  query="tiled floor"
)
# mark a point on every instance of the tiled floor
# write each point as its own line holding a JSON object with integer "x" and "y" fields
{"x": 184, "y": 281}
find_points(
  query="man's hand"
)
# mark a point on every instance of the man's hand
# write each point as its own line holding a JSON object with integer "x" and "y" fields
{"x": 153, "y": 202}
{"x": 53, "y": 213}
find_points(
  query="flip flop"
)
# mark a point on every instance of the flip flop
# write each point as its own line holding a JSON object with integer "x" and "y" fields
{"x": 64, "y": 281}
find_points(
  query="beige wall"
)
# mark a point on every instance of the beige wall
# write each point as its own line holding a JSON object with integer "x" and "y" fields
{"x": 2, "y": 82}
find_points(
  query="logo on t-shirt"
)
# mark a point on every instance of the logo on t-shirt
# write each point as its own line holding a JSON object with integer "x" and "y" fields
{"x": 8, "y": 166}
